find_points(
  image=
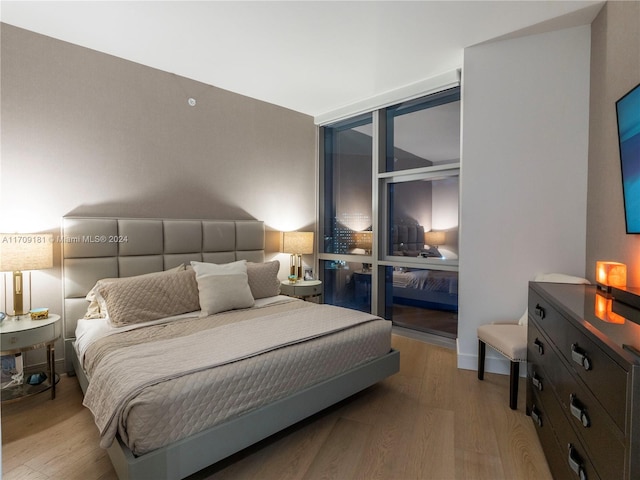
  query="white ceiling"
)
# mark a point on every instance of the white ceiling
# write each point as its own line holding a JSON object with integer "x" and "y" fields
{"x": 309, "y": 56}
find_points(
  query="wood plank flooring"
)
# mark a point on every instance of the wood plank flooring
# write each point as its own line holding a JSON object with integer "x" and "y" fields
{"x": 430, "y": 421}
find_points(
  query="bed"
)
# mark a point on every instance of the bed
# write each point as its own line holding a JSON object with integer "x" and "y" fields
{"x": 224, "y": 378}
{"x": 431, "y": 288}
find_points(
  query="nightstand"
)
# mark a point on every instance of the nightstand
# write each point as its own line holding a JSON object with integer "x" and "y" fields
{"x": 303, "y": 289}
{"x": 21, "y": 334}
{"x": 362, "y": 280}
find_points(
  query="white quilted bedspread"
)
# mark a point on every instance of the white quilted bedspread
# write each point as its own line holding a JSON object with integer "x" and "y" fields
{"x": 158, "y": 392}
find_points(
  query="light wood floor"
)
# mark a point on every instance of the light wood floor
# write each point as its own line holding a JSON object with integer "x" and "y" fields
{"x": 430, "y": 421}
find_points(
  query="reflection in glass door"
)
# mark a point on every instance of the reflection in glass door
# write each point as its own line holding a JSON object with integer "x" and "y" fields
{"x": 389, "y": 212}
{"x": 422, "y": 205}
{"x": 347, "y": 213}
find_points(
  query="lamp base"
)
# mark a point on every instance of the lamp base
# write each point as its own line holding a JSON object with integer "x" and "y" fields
{"x": 18, "y": 305}
{"x": 295, "y": 266}
{"x": 299, "y": 266}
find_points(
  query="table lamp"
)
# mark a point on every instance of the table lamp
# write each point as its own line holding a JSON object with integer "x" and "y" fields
{"x": 24, "y": 251}
{"x": 364, "y": 240}
{"x": 296, "y": 244}
{"x": 434, "y": 239}
{"x": 610, "y": 274}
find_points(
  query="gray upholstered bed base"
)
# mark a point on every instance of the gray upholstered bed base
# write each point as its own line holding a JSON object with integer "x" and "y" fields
{"x": 188, "y": 456}
{"x": 97, "y": 248}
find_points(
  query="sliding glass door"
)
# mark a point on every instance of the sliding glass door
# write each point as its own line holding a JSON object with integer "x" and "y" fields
{"x": 348, "y": 210}
{"x": 389, "y": 212}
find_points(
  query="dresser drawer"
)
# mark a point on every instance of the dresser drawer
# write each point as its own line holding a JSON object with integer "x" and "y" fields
{"x": 553, "y": 452}
{"x": 594, "y": 382}
{"x": 540, "y": 349}
{"x": 602, "y": 438}
{"x": 601, "y": 374}
{"x": 570, "y": 459}
{"x": 550, "y": 321}
{"x": 551, "y": 381}
{"x": 540, "y": 386}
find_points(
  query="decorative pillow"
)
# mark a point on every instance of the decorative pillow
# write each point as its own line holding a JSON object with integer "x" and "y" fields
{"x": 149, "y": 297}
{"x": 263, "y": 279}
{"x": 95, "y": 310}
{"x": 222, "y": 287}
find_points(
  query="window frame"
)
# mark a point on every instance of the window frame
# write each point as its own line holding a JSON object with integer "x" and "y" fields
{"x": 380, "y": 180}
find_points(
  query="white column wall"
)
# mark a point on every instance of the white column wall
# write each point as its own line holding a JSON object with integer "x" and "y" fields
{"x": 523, "y": 177}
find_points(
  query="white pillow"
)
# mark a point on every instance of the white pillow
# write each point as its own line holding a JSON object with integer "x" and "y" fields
{"x": 222, "y": 287}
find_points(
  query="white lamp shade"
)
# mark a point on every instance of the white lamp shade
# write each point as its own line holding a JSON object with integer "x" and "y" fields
{"x": 434, "y": 238}
{"x": 363, "y": 240}
{"x": 25, "y": 251}
{"x": 297, "y": 242}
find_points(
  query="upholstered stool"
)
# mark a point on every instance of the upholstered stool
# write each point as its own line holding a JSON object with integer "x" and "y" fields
{"x": 510, "y": 339}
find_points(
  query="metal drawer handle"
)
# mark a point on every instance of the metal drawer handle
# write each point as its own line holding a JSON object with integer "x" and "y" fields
{"x": 540, "y": 346}
{"x": 578, "y": 411}
{"x": 536, "y": 381}
{"x": 536, "y": 415}
{"x": 540, "y": 313}
{"x": 579, "y": 356}
{"x": 575, "y": 463}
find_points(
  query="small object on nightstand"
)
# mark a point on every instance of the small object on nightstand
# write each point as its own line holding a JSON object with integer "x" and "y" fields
{"x": 293, "y": 278}
{"x": 36, "y": 378}
{"x": 39, "y": 313}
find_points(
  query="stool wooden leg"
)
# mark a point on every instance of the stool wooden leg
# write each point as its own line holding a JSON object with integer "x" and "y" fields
{"x": 482, "y": 347}
{"x": 513, "y": 385}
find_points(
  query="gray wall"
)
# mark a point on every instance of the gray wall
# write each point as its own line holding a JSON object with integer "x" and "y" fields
{"x": 84, "y": 133}
{"x": 615, "y": 69}
{"x": 523, "y": 185}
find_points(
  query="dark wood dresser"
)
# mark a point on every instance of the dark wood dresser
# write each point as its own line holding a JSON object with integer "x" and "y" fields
{"x": 583, "y": 385}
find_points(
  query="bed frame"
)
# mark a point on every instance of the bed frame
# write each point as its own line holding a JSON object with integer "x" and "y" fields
{"x": 96, "y": 248}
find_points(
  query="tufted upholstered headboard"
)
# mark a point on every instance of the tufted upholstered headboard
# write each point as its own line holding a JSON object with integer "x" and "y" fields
{"x": 407, "y": 238}
{"x": 95, "y": 248}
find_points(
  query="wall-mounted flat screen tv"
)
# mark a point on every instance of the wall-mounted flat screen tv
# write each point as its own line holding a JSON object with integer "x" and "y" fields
{"x": 628, "y": 113}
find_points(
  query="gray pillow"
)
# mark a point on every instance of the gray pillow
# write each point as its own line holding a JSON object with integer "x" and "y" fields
{"x": 150, "y": 297}
{"x": 263, "y": 279}
{"x": 96, "y": 310}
